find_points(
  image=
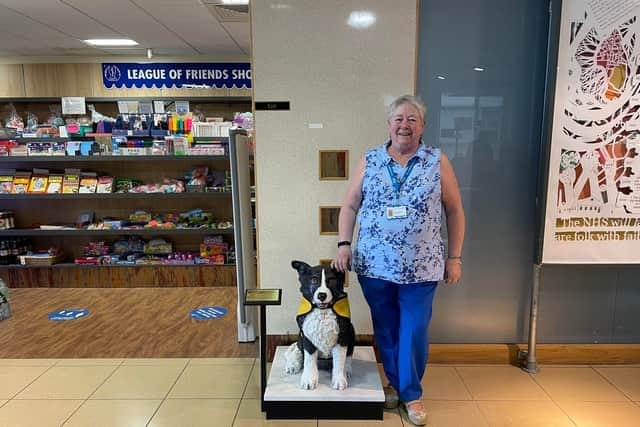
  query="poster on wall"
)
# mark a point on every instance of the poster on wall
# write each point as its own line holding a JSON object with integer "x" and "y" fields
{"x": 593, "y": 199}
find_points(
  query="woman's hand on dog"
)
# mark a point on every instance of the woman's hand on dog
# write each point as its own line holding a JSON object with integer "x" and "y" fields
{"x": 342, "y": 261}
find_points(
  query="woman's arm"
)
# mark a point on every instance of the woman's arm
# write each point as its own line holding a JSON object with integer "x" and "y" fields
{"x": 452, "y": 202}
{"x": 347, "y": 217}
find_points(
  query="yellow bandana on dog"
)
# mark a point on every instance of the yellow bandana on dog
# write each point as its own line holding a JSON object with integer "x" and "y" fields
{"x": 340, "y": 307}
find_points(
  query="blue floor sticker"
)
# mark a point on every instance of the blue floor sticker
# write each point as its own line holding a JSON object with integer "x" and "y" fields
{"x": 70, "y": 314}
{"x": 207, "y": 313}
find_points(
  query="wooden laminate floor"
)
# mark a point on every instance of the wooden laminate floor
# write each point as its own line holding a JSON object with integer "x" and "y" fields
{"x": 128, "y": 323}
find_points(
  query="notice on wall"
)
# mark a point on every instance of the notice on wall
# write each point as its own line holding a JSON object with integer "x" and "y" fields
{"x": 73, "y": 105}
{"x": 183, "y": 75}
{"x": 158, "y": 107}
{"x": 182, "y": 107}
{"x": 593, "y": 198}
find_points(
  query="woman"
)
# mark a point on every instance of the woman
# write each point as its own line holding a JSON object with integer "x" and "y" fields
{"x": 396, "y": 194}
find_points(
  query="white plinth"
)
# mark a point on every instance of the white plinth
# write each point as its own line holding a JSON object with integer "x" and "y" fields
{"x": 364, "y": 384}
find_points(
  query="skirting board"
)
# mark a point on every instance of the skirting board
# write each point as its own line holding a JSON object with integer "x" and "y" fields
{"x": 578, "y": 354}
{"x": 569, "y": 354}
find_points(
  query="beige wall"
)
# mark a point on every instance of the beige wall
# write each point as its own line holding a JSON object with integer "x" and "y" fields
{"x": 304, "y": 52}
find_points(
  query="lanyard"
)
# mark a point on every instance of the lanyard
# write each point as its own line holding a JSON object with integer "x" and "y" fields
{"x": 394, "y": 179}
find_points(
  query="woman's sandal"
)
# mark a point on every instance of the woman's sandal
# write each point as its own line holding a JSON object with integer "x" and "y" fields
{"x": 416, "y": 412}
{"x": 391, "y": 399}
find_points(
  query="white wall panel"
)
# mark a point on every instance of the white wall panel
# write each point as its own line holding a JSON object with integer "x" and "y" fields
{"x": 304, "y": 52}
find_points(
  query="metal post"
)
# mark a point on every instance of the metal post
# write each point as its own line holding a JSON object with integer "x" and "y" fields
{"x": 263, "y": 354}
{"x": 263, "y": 298}
{"x": 242, "y": 230}
{"x": 531, "y": 364}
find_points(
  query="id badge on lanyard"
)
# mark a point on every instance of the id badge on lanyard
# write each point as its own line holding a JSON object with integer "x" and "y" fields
{"x": 399, "y": 211}
{"x": 396, "y": 212}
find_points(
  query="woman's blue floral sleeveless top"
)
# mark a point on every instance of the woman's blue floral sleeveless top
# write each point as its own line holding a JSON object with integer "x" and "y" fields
{"x": 401, "y": 250}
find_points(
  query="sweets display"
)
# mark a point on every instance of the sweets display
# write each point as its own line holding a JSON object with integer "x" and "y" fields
{"x": 62, "y": 152}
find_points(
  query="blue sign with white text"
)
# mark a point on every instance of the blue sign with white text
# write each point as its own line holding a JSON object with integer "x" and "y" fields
{"x": 186, "y": 75}
{"x": 207, "y": 313}
{"x": 70, "y": 314}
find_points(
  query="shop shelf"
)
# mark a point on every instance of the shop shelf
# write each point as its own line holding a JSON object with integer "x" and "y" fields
{"x": 224, "y": 139}
{"x": 139, "y": 232}
{"x": 94, "y": 196}
{"x": 33, "y": 209}
{"x": 73, "y": 265}
{"x": 52, "y": 139}
{"x": 83, "y": 159}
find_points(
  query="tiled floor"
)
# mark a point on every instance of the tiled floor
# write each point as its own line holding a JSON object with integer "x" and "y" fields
{"x": 226, "y": 392}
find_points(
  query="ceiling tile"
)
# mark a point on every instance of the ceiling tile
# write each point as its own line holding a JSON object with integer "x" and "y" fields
{"x": 61, "y": 17}
{"x": 131, "y": 21}
{"x": 87, "y": 51}
{"x": 170, "y": 52}
{"x": 184, "y": 28}
{"x": 13, "y": 42}
{"x": 239, "y": 31}
{"x": 34, "y": 32}
{"x": 193, "y": 22}
{"x": 141, "y": 53}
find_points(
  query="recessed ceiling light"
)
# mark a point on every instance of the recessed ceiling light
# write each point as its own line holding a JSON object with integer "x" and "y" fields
{"x": 440, "y": 77}
{"x": 478, "y": 69}
{"x": 235, "y": 1}
{"x": 361, "y": 19}
{"x": 111, "y": 42}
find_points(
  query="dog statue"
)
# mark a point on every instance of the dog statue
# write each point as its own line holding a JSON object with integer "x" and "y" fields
{"x": 326, "y": 332}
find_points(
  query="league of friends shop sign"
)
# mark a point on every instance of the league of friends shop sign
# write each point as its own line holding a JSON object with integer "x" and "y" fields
{"x": 210, "y": 75}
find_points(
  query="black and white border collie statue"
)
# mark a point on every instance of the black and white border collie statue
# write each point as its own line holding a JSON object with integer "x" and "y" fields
{"x": 326, "y": 332}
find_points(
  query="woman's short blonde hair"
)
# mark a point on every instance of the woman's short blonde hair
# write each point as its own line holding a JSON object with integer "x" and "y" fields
{"x": 414, "y": 101}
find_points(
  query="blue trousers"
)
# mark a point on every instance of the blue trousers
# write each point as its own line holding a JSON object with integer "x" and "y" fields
{"x": 401, "y": 314}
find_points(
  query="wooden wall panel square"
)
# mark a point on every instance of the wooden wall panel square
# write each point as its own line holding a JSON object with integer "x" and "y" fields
{"x": 56, "y": 80}
{"x": 80, "y": 277}
{"x": 218, "y": 276}
{"x": 73, "y": 79}
{"x": 41, "y": 80}
{"x": 11, "y": 80}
